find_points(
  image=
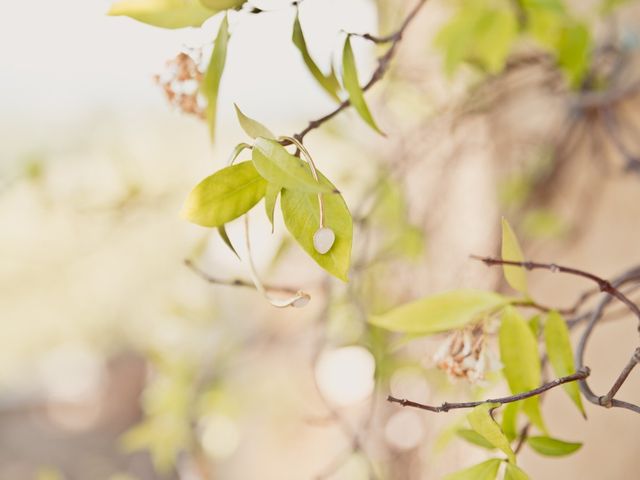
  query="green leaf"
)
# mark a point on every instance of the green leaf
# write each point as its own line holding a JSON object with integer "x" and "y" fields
{"x": 164, "y": 13}
{"x": 482, "y": 471}
{"x": 440, "y": 313}
{"x": 211, "y": 81}
{"x": 552, "y": 447}
{"x": 495, "y": 32}
{"x": 481, "y": 421}
{"x": 573, "y": 51}
{"x": 270, "y": 197}
{"x": 328, "y": 82}
{"x": 510, "y": 420}
{"x": 227, "y": 241}
{"x": 302, "y": 217}
{"x": 516, "y": 276}
{"x": 519, "y": 355}
{"x": 225, "y": 195}
{"x": 556, "y": 337}
{"x": 513, "y": 472}
{"x": 352, "y": 85}
{"x": 278, "y": 166}
{"x": 475, "y": 438}
{"x": 222, "y": 4}
{"x": 252, "y": 127}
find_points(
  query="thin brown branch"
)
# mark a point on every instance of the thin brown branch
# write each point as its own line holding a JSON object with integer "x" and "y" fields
{"x": 445, "y": 407}
{"x": 631, "y": 364}
{"x": 235, "y": 282}
{"x": 378, "y": 74}
{"x": 603, "y": 284}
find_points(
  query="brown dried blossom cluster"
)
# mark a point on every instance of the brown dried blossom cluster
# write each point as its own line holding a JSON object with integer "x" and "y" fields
{"x": 465, "y": 355}
{"x": 181, "y": 82}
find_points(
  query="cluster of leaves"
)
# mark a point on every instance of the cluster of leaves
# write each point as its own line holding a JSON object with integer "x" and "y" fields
{"x": 518, "y": 341}
{"x": 272, "y": 172}
{"x": 484, "y": 33}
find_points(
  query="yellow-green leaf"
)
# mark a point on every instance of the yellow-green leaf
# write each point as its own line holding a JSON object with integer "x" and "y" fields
{"x": 222, "y": 231}
{"x": 521, "y": 360}
{"x": 495, "y": 32}
{"x": 511, "y": 250}
{"x": 270, "y": 197}
{"x": 481, "y": 421}
{"x": 222, "y": 4}
{"x": 211, "y": 81}
{"x": 328, "y": 82}
{"x": 573, "y": 51}
{"x": 482, "y": 471}
{"x": 252, "y": 127}
{"x": 164, "y": 13}
{"x": 556, "y": 337}
{"x": 510, "y": 420}
{"x": 475, "y": 438}
{"x": 279, "y": 167}
{"x": 352, "y": 85}
{"x": 440, "y": 313}
{"x": 302, "y": 218}
{"x": 513, "y": 472}
{"x": 225, "y": 195}
{"x": 552, "y": 447}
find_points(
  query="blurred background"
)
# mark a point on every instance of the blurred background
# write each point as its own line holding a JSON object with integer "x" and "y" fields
{"x": 118, "y": 362}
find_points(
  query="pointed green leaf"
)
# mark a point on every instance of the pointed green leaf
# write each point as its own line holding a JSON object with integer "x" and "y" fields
{"x": 278, "y": 166}
{"x": 513, "y": 472}
{"x": 211, "y": 81}
{"x": 481, "y": 421}
{"x": 511, "y": 250}
{"x": 252, "y": 127}
{"x": 475, "y": 438}
{"x": 519, "y": 355}
{"x": 164, "y": 13}
{"x": 302, "y": 217}
{"x": 440, "y": 313}
{"x": 227, "y": 241}
{"x": 482, "y": 471}
{"x": 270, "y": 197}
{"x": 510, "y": 420}
{"x": 556, "y": 337}
{"x": 352, "y": 85}
{"x": 328, "y": 82}
{"x": 225, "y": 195}
{"x": 552, "y": 447}
{"x": 222, "y": 4}
{"x": 574, "y": 49}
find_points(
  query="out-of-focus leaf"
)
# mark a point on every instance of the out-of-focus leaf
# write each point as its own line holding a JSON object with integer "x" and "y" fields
{"x": 328, "y": 82}
{"x": 225, "y": 195}
{"x": 482, "y": 471}
{"x": 252, "y": 127}
{"x": 222, "y": 231}
{"x": 511, "y": 250}
{"x": 608, "y": 6}
{"x": 49, "y": 473}
{"x": 534, "y": 325}
{"x": 440, "y": 313}
{"x": 553, "y": 5}
{"x": 301, "y": 214}
{"x": 270, "y": 197}
{"x": 541, "y": 223}
{"x": 495, "y": 32}
{"x": 475, "y": 438}
{"x": 164, "y": 13}
{"x": 222, "y": 4}
{"x": 481, "y": 421}
{"x": 510, "y": 420}
{"x": 211, "y": 80}
{"x": 521, "y": 360}
{"x": 573, "y": 51}
{"x": 552, "y": 447}
{"x": 352, "y": 85}
{"x": 513, "y": 472}
{"x": 560, "y": 353}
{"x": 279, "y": 167}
